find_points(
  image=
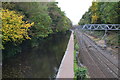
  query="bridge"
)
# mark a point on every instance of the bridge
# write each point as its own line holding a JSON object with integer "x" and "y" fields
{"x": 99, "y": 27}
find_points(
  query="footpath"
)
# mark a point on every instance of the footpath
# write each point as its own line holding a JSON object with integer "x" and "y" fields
{"x": 66, "y": 69}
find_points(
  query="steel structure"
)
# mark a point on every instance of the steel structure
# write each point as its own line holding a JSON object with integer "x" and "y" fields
{"x": 99, "y": 27}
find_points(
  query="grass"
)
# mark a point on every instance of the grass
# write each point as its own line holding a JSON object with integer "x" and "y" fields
{"x": 76, "y": 47}
{"x": 79, "y": 72}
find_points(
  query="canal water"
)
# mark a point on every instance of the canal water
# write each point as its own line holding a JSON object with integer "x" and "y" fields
{"x": 42, "y": 61}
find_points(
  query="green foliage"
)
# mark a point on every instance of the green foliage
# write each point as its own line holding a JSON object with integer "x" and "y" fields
{"x": 75, "y": 61}
{"x": 17, "y": 21}
{"x": 75, "y": 65}
{"x": 59, "y": 21}
{"x": 109, "y": 10}
{"x": 97, "y": 34}
{"x": 8, "y": 5}
{"x": 86, "y": 18}
{"x": 102, "y": 13}
{"x": 1, "y": 46}
{"x": 36, "y": 12}
{"x": 81, "y": 73}
{"x": 76, "y": 47}
{"x": 48, "y": 17}
{"x": 113, "y": 38}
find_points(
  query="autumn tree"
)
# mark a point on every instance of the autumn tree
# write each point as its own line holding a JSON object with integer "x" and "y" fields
{"x": 13, "y": 27}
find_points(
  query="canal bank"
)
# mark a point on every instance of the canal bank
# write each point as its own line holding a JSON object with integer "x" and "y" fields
{"x": 66, "y": 67}
{"x": 42, "y": 61}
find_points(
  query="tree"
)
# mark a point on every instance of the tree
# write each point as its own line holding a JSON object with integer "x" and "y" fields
{"x": 102, "y": 13}
{"x": 86, "y": 18}
{"x": 59, "y": 21}
{"x": 47, "y": 17}
{"x": 36, "y": 12}
{"x": 110, "y": 9}
{"x": 13, "y": 28}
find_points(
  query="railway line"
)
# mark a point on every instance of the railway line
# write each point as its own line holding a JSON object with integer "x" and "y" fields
{"x": 99, "y": 63}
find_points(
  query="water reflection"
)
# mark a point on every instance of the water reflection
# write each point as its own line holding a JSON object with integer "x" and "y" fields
{"x": 39, "y": 62}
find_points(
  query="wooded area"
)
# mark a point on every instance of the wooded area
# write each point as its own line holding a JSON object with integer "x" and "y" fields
{"x": 30, "y": 21}
{"x": 102, "y": 13}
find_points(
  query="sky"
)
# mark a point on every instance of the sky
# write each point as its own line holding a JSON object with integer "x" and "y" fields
{"x": 74, "y": 9}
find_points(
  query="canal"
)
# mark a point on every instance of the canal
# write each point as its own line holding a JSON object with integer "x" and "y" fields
{"x": 42, "y": 61}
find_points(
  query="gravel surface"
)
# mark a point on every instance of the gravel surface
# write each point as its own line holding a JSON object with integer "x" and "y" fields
{"x": 99, "y": 62}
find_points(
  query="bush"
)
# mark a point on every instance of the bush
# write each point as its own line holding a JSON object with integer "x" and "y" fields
{"x": 80, "y": 73}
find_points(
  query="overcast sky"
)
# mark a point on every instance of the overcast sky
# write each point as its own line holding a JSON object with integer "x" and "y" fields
{"x": 74, "y": 9}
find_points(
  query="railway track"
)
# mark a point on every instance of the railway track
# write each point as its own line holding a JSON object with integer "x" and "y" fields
{"x": 98, "y": 62}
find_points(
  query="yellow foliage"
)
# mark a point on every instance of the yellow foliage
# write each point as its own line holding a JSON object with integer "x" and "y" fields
{"x": 94, "y": 6}
{"x": 13, "y": 27}
{"x": 94, "y": 18}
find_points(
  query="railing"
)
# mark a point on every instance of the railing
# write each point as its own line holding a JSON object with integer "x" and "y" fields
{"x": 99, "y": 27}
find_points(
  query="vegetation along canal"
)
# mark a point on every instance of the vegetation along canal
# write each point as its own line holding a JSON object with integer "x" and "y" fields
{"x": 42, "y": 61}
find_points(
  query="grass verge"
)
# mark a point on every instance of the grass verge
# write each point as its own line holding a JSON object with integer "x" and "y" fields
{"x": 80, "y": 72}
